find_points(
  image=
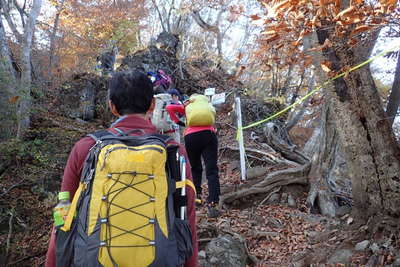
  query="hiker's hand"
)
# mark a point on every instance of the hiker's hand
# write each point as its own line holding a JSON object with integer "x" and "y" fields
{"x": 180, "y": 123}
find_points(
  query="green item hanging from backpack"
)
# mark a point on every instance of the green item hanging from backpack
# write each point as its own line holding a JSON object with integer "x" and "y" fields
{"x": 126, "y": 206}
{"x": 199, "y": 112}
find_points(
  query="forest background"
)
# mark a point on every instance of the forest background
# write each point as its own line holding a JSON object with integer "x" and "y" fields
{"x": 278, "y": 51}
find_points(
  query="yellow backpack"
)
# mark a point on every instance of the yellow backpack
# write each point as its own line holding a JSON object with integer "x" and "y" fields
{"x": 199, "y": 112}
{"x": 125, "y": 212}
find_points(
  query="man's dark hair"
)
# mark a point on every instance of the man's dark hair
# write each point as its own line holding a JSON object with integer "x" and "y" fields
{"x": 131, "y": 92}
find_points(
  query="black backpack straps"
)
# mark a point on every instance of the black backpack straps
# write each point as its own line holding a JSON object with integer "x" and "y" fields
{"x": 132, "y": 131}
{"x": 99, "y": 134}
{"x": 91, "y": 159}
{"x": 88, "y": 166}
{"x": 163, "y": 137}
{"x": 127, "y": 133}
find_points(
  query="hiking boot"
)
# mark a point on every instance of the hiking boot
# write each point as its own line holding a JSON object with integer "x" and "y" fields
{"x": 213, "y": 211}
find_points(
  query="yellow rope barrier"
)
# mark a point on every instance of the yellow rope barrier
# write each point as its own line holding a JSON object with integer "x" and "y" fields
{"x": 317, "y": 89}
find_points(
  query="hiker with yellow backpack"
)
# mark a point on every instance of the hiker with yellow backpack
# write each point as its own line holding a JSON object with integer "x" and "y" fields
{"x": 200, "y": 142}
{"x": 132, "y": 199}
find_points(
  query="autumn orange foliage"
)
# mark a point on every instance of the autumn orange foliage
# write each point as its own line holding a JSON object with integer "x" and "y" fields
{"x": 88, "y": 27}
{"x": 288, "y": 22}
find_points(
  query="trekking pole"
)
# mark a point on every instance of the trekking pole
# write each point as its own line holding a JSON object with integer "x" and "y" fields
{"x": 183, "y": 190}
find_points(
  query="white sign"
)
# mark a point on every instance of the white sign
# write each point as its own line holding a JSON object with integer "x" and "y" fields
{"x": 242, "y": 151}
{"x": 218, "y": 99}
{"x": 209, "y": 91}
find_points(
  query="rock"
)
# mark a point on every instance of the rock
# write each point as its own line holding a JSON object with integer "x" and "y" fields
{"x": 78, "y": 120}
{"x": 373, "y": 261}
{"x": 225, "y": 251}
{"x": 362, "y": 245}
{"x": 161, "y": 55}
{"x": 374, "y": 248}
{"x": 300, "y": 259}
{"x": 387, "y": 244}
{"x": 168, "y": 42}
{"x": 396, "y": 262}
{"x": 88, "y": 101}
{"x": 284, "y": 198}
{"x": 326, "y": 206}
{"x": 214, "y": 260}
{"x": 83, "y": 98}
{"x": 203, "y": 262}
{"x": 150, "y": 59}
{"x": 342, "y": 210}
{"x": 340, "y": 256}
{"x": 274, "y": 198}
{"x": 202, "y": 254}
{"x": 350, "y": 220}
{"x": 311, "y": 218}
{"x": 311, "y": 234}
{"x": 291, "y": 201}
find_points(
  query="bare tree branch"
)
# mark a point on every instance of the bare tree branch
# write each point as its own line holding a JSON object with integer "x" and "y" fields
{"x": 293, "y": 120}
{"x": 10, "y": 21}
{"x": 159, "y": 14}
{"x": 204, "y": 25}
{"x": 211, "y": 28}
{"x": 21, "y": 11}
{"x": 172, "y": 7}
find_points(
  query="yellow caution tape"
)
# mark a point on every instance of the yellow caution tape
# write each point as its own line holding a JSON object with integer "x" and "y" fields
{"x": 317, "y": 89}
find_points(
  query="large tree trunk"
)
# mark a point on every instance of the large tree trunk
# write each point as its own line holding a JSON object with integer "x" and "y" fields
{"x": 394, "y": 98}
{"x": 330, "y": 186}
{"x": 26, "y": 75}
{"x": 369, "y": 145}
{"x": 7, "y": 88}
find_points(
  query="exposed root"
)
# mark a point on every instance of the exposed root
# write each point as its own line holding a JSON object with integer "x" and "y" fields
{"x": 297, "y": 175}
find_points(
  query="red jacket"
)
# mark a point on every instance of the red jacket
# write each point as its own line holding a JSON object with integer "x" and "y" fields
{"x": 73, "y": 169}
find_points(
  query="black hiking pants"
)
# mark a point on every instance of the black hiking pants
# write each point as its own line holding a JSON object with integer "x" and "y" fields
{"x": 204, "y": 144}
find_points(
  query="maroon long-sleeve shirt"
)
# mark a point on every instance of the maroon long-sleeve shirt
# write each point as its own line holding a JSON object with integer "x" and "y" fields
{"x": 73, "y": 169}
